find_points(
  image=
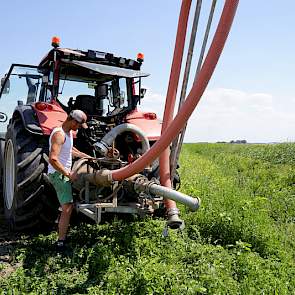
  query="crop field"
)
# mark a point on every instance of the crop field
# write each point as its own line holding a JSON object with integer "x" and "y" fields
{"x": 241, "y": 240}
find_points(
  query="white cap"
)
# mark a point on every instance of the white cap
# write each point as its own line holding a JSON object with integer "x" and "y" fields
{"x": 80, "y": 117}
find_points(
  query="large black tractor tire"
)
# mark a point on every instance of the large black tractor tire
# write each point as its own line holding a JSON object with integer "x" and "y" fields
{"x": 29, "y": 200}
{"x": 2, "y": 146}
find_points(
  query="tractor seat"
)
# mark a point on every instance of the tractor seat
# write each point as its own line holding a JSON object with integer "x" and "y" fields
{"x": 85, "y": 103}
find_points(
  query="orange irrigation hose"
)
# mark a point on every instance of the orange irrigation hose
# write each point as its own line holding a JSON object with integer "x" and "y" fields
{"x": 171, "y": 94}
{"x": 193, "y": 98}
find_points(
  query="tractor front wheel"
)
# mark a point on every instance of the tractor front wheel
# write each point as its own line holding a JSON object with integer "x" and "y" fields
{"x": 29, "y": 201}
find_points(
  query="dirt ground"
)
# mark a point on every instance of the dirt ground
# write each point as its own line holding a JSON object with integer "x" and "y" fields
{"x": 8, "y": 242}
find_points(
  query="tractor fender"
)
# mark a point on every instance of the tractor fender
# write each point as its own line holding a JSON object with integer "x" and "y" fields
{"x": 29, "y": 119}
{"x": 147, "y": 122}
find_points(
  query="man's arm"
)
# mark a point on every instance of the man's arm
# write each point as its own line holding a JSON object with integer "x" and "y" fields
{"x": 57, "y": 141}
{"x": 76, "y": 153}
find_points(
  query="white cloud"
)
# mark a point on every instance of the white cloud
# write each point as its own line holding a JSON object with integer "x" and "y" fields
{"x": 226, "y": 114}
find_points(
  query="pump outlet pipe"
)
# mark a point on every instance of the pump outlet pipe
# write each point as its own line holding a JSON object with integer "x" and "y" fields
{"x": 153, "y": 188}
{"x": 193, "y": 98}
{"x": 137, "y": 183}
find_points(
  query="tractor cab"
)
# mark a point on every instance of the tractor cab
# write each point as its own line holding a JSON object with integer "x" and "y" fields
{"x": 102, "y": 85}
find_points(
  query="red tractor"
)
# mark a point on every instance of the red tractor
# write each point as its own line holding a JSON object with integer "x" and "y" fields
{"x": 38, "y": 98}
{"x": 108, "y": 89}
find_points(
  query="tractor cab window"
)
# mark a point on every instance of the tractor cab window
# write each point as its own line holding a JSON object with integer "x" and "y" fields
{"x": 95, "y": 98}
{"x": 69, "y": 90}
{"x": 117, "y": 96}
{"x": 20, "y": 86}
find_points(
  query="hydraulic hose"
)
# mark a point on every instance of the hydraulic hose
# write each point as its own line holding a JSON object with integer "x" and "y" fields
{"x": 193, "y": 98}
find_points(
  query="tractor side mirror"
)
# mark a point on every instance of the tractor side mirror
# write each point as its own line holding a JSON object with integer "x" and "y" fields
{"x": 142, "y": 92}
{"x": 5, "y": 87}
{"x": 3, "y": 117}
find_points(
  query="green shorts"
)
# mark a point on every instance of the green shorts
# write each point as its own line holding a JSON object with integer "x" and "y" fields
{"x": 62, "y": 187}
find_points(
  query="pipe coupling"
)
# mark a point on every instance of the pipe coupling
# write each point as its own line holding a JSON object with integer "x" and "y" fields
{"x": 172, "y": 211}
{"x": 142, "y": 184}
{"x": 101, "y": 177}
{"x": 173, "y": 219}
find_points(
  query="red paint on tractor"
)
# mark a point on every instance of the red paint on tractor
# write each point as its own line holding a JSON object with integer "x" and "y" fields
{"x": 147, "y": 122}
{"x": 52, "y": 116}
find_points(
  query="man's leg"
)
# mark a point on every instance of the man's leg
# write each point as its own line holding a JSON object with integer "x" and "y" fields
{"x": 64, "y": 220}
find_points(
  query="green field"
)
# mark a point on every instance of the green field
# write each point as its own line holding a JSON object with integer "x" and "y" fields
{"x": 241, "y": 241}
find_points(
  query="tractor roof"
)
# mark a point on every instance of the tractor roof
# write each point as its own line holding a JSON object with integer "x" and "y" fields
{"x": 86, "y": 65}
{"x": 91, "y": 56}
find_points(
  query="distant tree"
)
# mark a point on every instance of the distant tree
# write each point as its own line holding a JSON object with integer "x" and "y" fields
{"x": 239, "y": 141}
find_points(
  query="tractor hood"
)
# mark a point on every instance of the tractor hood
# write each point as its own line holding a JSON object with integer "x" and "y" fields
{"x": 147, "y": 122}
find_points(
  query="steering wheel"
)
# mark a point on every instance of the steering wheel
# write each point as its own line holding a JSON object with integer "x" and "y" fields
{"x": 3, "y": 117}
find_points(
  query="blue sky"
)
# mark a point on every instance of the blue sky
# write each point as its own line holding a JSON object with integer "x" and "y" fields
{"x": 251, "y": 94}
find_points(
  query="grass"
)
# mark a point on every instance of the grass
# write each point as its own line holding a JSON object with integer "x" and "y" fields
{"x": 241, "y": 241}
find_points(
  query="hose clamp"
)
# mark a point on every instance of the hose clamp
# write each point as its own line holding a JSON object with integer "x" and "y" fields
{"x": 172, "y": 211}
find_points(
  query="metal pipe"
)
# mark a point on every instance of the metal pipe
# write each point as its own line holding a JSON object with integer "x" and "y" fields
{"x": 179, "y": 140}
{"x": 110, "y": 137}
{"x": 79, "y": 164}
{"x": 192, "y": 99}
{"x": 142, "y": 184}
{"x": 205, "y": 37}
{"x": 192, "y": 203}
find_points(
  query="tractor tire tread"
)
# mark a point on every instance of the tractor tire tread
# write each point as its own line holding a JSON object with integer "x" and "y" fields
{"x": 35, "y": 204}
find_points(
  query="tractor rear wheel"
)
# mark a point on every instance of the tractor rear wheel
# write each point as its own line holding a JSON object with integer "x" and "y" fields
{"x": 29, "y": 201}
{"x": 2, "y": 146}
